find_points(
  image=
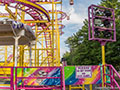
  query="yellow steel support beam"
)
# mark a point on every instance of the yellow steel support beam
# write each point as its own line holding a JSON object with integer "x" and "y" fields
{"x": 103, "y": 63}
{"x": 44, "y": 61}
{"x": 58, "y": 39}
{"x": 40, "y": 49}
{"x": 90, "y": 86}
{"x": 37, "y": 57}
{"x": 70, "y": 87}
{"x": 52, "y": 33}
{"x": 36, "y": 27}
{"x": 23, "y": 15}
{"x": 42, "y": 52}
{"x": 33, "y": 21}
{"x": 5, "y": 55}
{"x": 13, "y": 54}
{"x": 49, "y": 2}
{"x": 4, "y": 16}
{"x": 75, "y": 87}
{"x": 10, "y": 12}
{"x": 83, "y": 87}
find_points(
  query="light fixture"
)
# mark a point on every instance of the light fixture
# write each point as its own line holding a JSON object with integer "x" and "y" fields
{"x": 71, "y": 2}
{"x": 97, "y": 12}
{"x": 108, "y": 13}
{"x": 106, "y": 23}
{"x": 107, "y": 34}
{"x": 96, "y": 32}
{"x": 97, "y": 21}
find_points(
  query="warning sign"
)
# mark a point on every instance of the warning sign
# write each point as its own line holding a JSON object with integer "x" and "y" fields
{"x": 83, "y": 72}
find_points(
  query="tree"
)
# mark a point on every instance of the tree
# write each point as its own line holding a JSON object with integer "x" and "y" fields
{"x": 85, "y": 52}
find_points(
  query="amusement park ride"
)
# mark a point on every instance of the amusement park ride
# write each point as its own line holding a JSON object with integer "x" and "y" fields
{"x": 30, "y": 47}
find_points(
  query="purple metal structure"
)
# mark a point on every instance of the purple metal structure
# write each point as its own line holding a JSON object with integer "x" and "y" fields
{"x": 102, "y": 29}
{"x": 105, "y": 19}
{"x": 112, "y": 74}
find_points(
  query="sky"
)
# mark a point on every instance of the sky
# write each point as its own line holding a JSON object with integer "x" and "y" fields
{"x": 78, "y": 13}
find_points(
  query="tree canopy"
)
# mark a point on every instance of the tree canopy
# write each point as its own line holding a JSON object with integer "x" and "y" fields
{"x": 85, "y": 52}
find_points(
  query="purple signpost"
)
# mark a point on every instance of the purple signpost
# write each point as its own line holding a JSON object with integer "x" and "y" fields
{"x": 101, "y": 28}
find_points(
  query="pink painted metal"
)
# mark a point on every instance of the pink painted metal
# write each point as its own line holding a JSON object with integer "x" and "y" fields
{"x": 63, "y": 78}
{"x": 113, "y": 82}
{"x": 6, "y": 77}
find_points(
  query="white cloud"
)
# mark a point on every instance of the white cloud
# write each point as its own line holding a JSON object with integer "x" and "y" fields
{"x": 75, "y": 17}
{"x": 63, "y": 50}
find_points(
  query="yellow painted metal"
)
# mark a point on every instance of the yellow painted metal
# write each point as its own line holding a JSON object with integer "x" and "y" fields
{"x": 13, "y": 55}
{"x": 42, "y": 52}
{"x": 57, "y": 36}
{"x": 52, "y": 63}
{"x": 37, "y": 57}
{"x": 36, "y": 27}
{"x": 70, "y": 87}
{"x": 20, "y": 51}
{"x": 103, "y": 63}
{"x": 4, "y": 16}
{"x": 21, "y": 55}
{"x": 40, "y": 49}
{"x": 33, "y": 21}
{"x": 49, "y": 2}
{"x": 23, "y": 15}
{"x": 5, "y": 55}
{"x": 10, "y": 12}
{"x": 16, "y": 12}
{"x": 8, "y": 85}
{"x": 83, "y": 87}
{"x": 77, "y": 87}
{"x": 90, "y": 86}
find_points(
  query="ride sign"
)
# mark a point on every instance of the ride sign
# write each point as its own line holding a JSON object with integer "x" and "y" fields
{"x": 83, "y": 72}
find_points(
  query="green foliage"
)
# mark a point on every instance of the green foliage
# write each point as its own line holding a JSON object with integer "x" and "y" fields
{"x": 85, "y": 52}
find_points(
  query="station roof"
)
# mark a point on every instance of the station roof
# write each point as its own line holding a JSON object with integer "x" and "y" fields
{"x": 10, "y": 29}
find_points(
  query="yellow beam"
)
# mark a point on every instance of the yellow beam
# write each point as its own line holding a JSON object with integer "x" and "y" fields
{"x": 5, "y": 55}
{"x": 103, "y": 63}
{"x": 12, "y": 15}
{"x": 40, "y": 49}
{"x": 52, "y": 33}
{"x": 33, "y": 21}
{"x": 38, "y": 58}
{"x": 57, "y": 36}
{"x": 4, "y": 84}
{"x": 49, "y": 2}
{"x": 70, "y": 87}
{"x": 36, "y": 27}
{"x": 83, "y": 87}
{"x": 4, "y": 16}
{"x": 76, "y": 87}
{"x": 90, "y": 86}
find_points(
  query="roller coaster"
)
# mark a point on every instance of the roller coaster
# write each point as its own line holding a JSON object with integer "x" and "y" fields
{"x": 45, "y": 23}
{"x": 30, "y": 33}
{"x": 30, "y": 36}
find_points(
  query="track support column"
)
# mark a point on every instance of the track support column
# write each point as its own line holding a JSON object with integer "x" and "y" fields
{"x": 103, "y": 63}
